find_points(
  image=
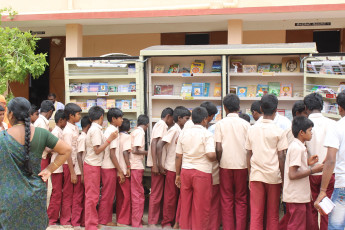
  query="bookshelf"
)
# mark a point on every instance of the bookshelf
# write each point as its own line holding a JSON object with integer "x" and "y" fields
{"x": 325, "y": 75}
{"x": 121, "y": 84}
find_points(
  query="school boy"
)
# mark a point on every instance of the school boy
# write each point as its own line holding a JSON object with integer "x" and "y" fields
{"x": 298, "y": 109}
{"x": 123, "y": 190}
{"x": 154, "y": 161}
{"x": 314, "y": 104}
{"x": 136, "y": 159}
{"x": 255, "y": 110}
{"x": 71, "y": 186}
{"x": 3, "y": 125}
{"x": 57, "y": 176}
{"x": 110, "y": 169}
{"x": 195, "y": 152}
{"x": 211, "y": 110}
{"x": 95, "y": 146}
{"x": 266, "y": 144}
{"x": 296, "y": 191}
{"x": 33, "y": 113}
{"x": 47, "y": 109}
{"x": 230, "y": 137}
{"x": 171, "y": 193}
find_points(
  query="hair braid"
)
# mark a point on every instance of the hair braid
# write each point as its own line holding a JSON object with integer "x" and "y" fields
{"x": 27, "y": 145}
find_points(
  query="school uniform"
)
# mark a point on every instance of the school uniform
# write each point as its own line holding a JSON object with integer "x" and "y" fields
{"x": 57, "y": 183}
{"x": 265, "y": 140}
{"x": 108, "y": 177}
{"x": 157, "y": 181}
{"x": 171, "y": 192}
{"x": 92, "y": 175}
{"x": 196, "y": 177}
{"x": 296, "y": 193}
{"x": 188, "y": 124}
{"x": 42, "y": 122}
{"x": 5, "y": 126}
{"x": 137, "y": 173}
{"x": 123, "y": 191}
{"x": 315, "y": 147}
{"x": 215, "y": 212}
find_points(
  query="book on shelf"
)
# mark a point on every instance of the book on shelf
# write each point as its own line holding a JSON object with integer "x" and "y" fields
{"x": 261, "y": 90}
{"x": 197, "y": 89}
{"x": 163, "y": 89}
{"x": 264, "y": 67}
{"x": 250, "y": 68}
{"x": 242, "y": 91}
{"x": 134, "y": 103}
{"x": 159, "y": 69}
{"x": 200, "y": 61}
{"x": 217, "y": 90}
{"x": 281, "y": 112}
{"x": 249, "y": 113}
{"x": 118, "y": 104}
{"x": 186, "y": 90}
{"x": 133, "y": 123}
{"x": 123, "y": 88}
{"x": 101, "y": 102}
{"x": 218, "y": 115}
{"x": 277, "y": 68}
{"x": 75, "y": 87}
{"x": 85, "y": 87}
{"x": 216, "y": 67}
{"x": 251, "y": 90}
{"x": 132, "y": 87}
{"x": 341, "y": 87}
{"x": 174, "y": 68}
{"x": 82, "y": 105}
{"x": 286, "y": 90}
{"x": 90, "y": 103}
{"x": 236, "y": 65}
{"x": 338, "y": 69}
{"x": 126, "y": 104}
{"x": 73, "y": 101}
{"x": 185, "y": 70}
{"x": 111, "y": 103}
{"x": 274, "y": 88}
{"x": 326, "y": 68}
{"x": 131, "y": 68}
{"x": 291, "y": 64}
{"x": 233, "y": 89}
{"x": 103, "y": 87}
{"x": 197, "y": 67}
{"x": 112, "y": 88}
{"x": 206, "y": 89}
{"x": 93, "y": 87}
{"x": 311, "y": 68}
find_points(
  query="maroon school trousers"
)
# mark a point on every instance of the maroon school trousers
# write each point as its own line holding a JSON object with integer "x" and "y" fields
{"x": 123, "y": 202}
{"x": 196, "y": 195}
{"x": 171, "y": 193}
{"x": 315, "y": 185}
{"x": 215, "y": 213}
{"x": 105, "y": 209}
{"x": 45, "y": 163}
{"x": 67, "y": 197}
{"x": 56, "y": 198}
{"x": 233, "y": 195}
{"x": 78, "y": 204}
{"x": 156, "y": 196}
{"x": 297, "y": 217}
{"x": 92, "y": 181}
{"x": 137, "y": 197}
{"x": 264, "y": 197}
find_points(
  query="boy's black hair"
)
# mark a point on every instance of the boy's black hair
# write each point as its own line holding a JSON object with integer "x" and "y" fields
{"x": 301, "y": 123}
{"x": 143, "y": 120}
{"x": 126, "y": 125}
{"x": 245, "y": 116}
{"x": 167, "y": 111}
{"x": 52, "y": 95}
{"x": 210, "y": 108}
{"x": 181, "y": 111}
{"x": 299, "y": 106}
{"x": 85, "y": 121}
{"x": 114, "y": 112}
{"x": 269, "y": 104}
{"x": 232, "y": 102}
{"x": 95, "y": 113}
{"x": 255, "y": 107}
{"x": 2, "y": 108}
{"x": 33, "y": 110}
{"x": 313, "y": 101}
{"x": 199, "y": 114}
{"x": 60, "y": 114}
{"x": 46, "y": 106}
{"x": 341, "y": 99}
{"x": 72, "y": 109}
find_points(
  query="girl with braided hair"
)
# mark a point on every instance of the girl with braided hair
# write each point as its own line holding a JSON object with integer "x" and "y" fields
{"x": 23, "y": 191}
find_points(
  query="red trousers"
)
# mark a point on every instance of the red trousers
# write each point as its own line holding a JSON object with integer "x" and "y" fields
{"x": 171, "y": 193}
{"x": 92, "y": 181}
{"x": 297, "y": 217}
{"x": 78, "y": 204}
{"x": 123, "y": 202}
{"x": 233, "y": 195}
{"x": 315, "y": 185}
{"x": 156, "y": 196}
{"x": 45, "y": 163}
{"x": 264, "y": 197}
{"x": 56, "y": 198}
{"x": 196, "y": 195}
{"x": 67, "y": 197}
{"x": 215, "y": 213}
{"x": 105, "y": 209}
{"x": 178, "y": 211}
{"x": 137, "y": 197}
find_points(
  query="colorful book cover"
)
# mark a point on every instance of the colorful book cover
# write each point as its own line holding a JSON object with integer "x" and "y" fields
{"x": 291, "y": 64}
{"x": 82, "y": 105}
{"x": 90, "y": 103}
{"x": 85, "y": 87}
{"x": 103, "y": 87}
{"x": 197, "y": 67}
{"x": 174, "y": 68}
{"x": 249, "y": 113}
{"x": 131, "y": 68}
{"x": 101, "y": 102}
{"x": 216, "y": 67}
{"x": 112, "y": 88}
{"x": 217, "y": 90}
{"x": 163, "y": 89}
{"x": 311, "y": 68}
{"x": 286, "y": 90}
{"x": 264, "y": 67}
{"x": 123, "y": 88}
{"x": 338, "y": 69}
{"x": 251, "y": 90}
{"x": 206, "y": 89}
{"x": 186, "y": 90}
{"x": 236, "y": 65}
{"x": 241, "y": 91}
{"x": 276, "y": 68}
{"x": 132, "y": 87}
{"x": 93, "y": 87}
{"x": 326, "y": 69}
{"x": 159, "y": 69}
{"x": 274, "y": 88}
{"x": 185, "y": 70}
{"x": 233, "y": 89}
{"x": 218, "y": 115}
{"x": 75, "y": 87}
{"x": 118, "y": 104}
{"x": 111, "y": 103}
{"x": 261, "y": 90}
{"x": 134, "y": 103}
{"x": 126, "y": 104}
{"x": 133, "y": 123}
{"x": 197, "y": 89}
{"x": 341, "y": 87}
{"x": 250, "y": 68}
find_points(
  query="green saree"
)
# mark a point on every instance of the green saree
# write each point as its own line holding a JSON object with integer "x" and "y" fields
{"x": 23, "y": 198}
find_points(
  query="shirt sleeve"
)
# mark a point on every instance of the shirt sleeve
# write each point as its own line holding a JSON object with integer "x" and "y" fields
{"x": 114, "y": 144}
{"x": 138, "y": 139}
{"x": 179, "y": 145}
{"x": 96, "y": 137}
{"x": 51, "y": 140}
{"x": 159, "y": 130}
{"x": 282, "y": 142}
{"x": 218, "y": 133}
{"x": 332, "y": 139}
{"x": 209, "y": 144}
{"x": 81, "y": 144}
{"x": 169, "y": 136}
{"x": 248, "y": 144}
{"x": 295, "y": 157}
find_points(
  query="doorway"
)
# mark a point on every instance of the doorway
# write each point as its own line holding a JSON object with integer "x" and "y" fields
{"x": 39, "y": 88}
{"x": 327, "y": 41}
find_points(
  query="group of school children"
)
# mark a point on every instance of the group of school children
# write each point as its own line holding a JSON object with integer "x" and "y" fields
{"x": 199, "y": 173}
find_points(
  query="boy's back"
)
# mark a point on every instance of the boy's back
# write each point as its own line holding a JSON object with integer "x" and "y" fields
{"x": 94, "y": 137}
{"x": 125, "y": 143}
{"x": 57, "y": 131}
{"x": 137, "y": 139}
{"x": 171, "y": 139}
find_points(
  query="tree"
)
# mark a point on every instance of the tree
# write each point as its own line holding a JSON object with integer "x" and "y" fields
{"x": 17, "y": 54}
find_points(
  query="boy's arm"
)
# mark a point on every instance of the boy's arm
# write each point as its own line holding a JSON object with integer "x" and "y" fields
{"x": 67, "y": 137}
{"x": 295, "y": 174}
{"x": 128, "y": 164}
{"x": 160, "y": 146}
{"x": 178, "y": 164}
{"x": 281, "y": 159}
{"x": 211, "y": 156}
{"x": 154, "y": 155}
{"x": 249, "y": 156}
{"x": 136, "y": 151}
{"x": 100, "y": 148}
{"x": 80, "y": 163}
{"x": 113, "y": 159}
{"x": 218, "y": 140}
{"x": 219, "y": 150}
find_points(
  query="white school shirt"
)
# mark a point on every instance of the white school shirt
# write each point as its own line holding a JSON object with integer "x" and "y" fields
{"x": 42, "y": 122}
{"x": 57, "y": 131}
{"x": 81, "y": 148}
{"x": 335, "y": 138}
{"x": 107, "y": 163}
{"x": 94, "y": 137}
{"x": 281, "y": 121}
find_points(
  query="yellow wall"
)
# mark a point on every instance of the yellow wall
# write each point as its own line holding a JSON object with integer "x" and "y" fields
{"x": 118, "y": 43}
{"x": 264, "y": 36}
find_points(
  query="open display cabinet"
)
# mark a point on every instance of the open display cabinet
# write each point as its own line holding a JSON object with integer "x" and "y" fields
{"x": 105, "y": 81}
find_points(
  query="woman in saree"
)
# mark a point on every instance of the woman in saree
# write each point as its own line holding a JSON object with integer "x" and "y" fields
{"x": 22, "y": 188}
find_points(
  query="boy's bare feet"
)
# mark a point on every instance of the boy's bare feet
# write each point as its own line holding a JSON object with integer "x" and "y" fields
{"x": 153, "y": 226}
{"x": 122, "y": 225}
{"x": 176, "y": 226}
{"x": 111, "y": 224}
